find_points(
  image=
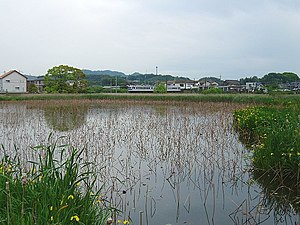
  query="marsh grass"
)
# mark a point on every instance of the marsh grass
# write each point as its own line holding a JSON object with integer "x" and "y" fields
{"x": 274, "y": 136}
{"x": 57, "y": 189}
{"x": 233, "y": 98}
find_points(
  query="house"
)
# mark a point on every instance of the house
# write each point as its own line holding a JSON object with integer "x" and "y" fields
{"x": 254, "y": 86}
{"x": 182, "y": 84}
{"x": 232, "y": 86}
{"x": 38, "y": 81}
{"x": 206, "y": 84}
{"x": 13, "y": 82}
{"x": 295, "y": 86}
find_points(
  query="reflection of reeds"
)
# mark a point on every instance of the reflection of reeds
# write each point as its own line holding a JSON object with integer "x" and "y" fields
{"x": 150, "y": 155}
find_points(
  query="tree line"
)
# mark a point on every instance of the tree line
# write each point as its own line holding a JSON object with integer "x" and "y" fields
{"x": 67, "y": 79}
{"x": 273, "y": 79}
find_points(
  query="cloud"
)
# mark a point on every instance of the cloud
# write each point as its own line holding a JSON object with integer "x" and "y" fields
{"x": 193, "y": 38}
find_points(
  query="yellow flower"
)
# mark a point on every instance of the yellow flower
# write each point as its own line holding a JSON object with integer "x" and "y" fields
{"x": 9, "y": 168}
{"x": 51, "y": 218}
{"x": 51, "y": 208}
{"x": 126, "y": 222}
{"x": 71, "y": 197}
{"x": 33, "y": 170}
{"x": 99, "y": 199}
{"x": 119, "y": 221}
{"x": 75, "y": 218}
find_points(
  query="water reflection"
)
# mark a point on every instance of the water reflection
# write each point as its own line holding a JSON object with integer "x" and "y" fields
{"x": 65, "y": 117}
{"x": 280, "y": 194}
{"x": 178, "y": 164}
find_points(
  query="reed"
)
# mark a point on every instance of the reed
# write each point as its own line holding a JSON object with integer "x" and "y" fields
{"x": 152, "y": 154}
{"x": 233, "y": 98}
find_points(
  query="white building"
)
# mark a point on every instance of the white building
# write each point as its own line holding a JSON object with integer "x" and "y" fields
{"x": 13, "y": 82}
{"x": 183, "y": 85}
{"x": 254, "y": 86}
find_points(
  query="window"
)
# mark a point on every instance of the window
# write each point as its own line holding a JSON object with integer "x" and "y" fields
{"x": 17, "y": 88}
{"x": 7, "y": 80}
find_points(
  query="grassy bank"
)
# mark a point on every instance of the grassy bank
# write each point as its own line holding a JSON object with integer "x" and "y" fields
{"x": 274, "y": 137}
{"x": 235, "y": 98}
{"x": 50, "y": 191}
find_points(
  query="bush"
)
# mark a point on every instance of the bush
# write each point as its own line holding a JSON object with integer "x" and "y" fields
{"x": 32, "y": 88}
{"x": 160, "y": 88}
{"x": 213, "y": 91}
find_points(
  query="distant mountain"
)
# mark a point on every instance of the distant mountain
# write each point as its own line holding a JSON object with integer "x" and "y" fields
{"x": 104, "y": 72}
{"x": 109, "y": 77}
{"x": 152, "y": 78}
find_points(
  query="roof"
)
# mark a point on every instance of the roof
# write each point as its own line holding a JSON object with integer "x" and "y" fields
{"x": 34, "y": 78}
{"x": 232, "y": 82}
{"x": 10, "y": 72}
{"x": 180, "y": 82}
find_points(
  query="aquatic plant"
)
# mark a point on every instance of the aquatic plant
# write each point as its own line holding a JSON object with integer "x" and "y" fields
{"x": 57, "y": 189}
{"x": 274, "y": 137}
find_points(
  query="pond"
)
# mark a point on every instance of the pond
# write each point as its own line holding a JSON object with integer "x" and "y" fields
{"x": 161, "y": 163}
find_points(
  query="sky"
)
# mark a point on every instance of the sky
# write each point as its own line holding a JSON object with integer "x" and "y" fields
{"x": 192, "y": 38}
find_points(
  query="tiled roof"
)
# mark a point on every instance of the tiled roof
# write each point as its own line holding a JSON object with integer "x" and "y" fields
{"x": 232, "y": 82}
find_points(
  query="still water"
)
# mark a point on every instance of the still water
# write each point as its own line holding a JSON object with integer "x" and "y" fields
{"x": 178, "y": 164}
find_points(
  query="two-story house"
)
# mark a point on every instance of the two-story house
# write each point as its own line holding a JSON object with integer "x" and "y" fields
{"x": 13, "y": 82}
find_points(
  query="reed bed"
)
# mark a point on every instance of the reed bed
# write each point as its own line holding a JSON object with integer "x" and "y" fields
{"x": 170, "y": 163}
{"x": 234, "y": 98}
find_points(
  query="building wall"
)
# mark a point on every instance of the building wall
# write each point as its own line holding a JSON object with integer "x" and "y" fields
{"x": 13, "y": 83}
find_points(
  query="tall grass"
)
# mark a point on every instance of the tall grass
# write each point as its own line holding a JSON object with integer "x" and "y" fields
{"x": 274, "y": 136}
{"x": 57, "y": 189}
{"x": 234, "y": 98}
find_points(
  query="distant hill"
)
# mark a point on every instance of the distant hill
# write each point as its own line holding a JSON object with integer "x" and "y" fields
{"x": 109, "y": 77}
{"x": 152, "y": 78}
{"x": 104, "y": 72}
{"x": 273, "y": 79}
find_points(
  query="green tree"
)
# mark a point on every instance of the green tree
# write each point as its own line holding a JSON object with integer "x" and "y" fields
{"x": 273, "y": 79}
{"x": 160, "y": 88}
{"x": 65, "y": 79}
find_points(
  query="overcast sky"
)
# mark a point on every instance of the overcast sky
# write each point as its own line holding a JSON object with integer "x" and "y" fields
{"x": 192, "y": 38}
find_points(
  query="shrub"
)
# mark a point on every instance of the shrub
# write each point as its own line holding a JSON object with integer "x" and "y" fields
{"x": 213, "y": 91}
{"x": 160, "y": 88}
